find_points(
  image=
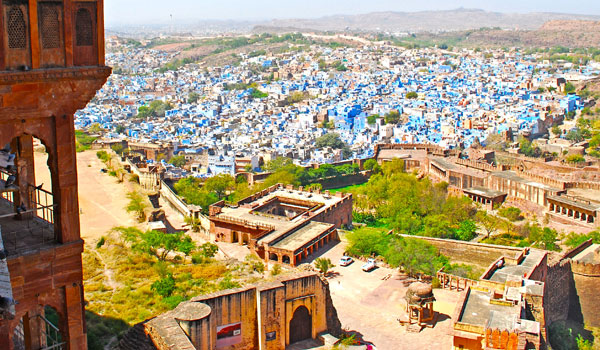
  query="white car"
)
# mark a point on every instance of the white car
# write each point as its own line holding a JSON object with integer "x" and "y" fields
{"x": 370, "y": 265}
{"x": 346, "y": 260}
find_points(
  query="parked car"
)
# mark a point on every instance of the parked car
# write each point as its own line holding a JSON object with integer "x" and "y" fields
{"x": 346, "y": 260}
{"x": 370, "y": 265}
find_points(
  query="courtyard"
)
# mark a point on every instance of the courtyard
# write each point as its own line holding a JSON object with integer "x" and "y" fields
{"x": 369, "y": 303}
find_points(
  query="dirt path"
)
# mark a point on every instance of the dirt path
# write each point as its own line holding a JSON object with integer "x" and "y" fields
{"x": 102, "y": 199}
{"x": 108, "y": 273}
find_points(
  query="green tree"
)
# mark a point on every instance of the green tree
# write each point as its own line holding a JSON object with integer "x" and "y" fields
{"x": 511, "y": 213}
{"x": 164, "y": 286}
{"x": 569, "y": 87}
{"x": 324, "y": 265}
{"x": 331, "y": 139}
{"x": 208, "y": 250}
{"x": 144, "y": 112}
{"x": 193, "y": 97}
{"x": 370, "y": 164}
{"x": 372, "y": 119}
{"x": 489, "y": 222}
{"x": 120, "y": 129}
{"x": 412, "y": 95}
{"x": 393, "y": 117}
{"x": 137, "y": 205}
{"x": 556, "y": 130}
{"x": 543, "y": 237}
{"x": 178, "y": 161}
{"x": 118, "y": 148}
{"x": 575, "y": 158}
{"x": 95, "y": 129}
{"x": 415, "y": 256}
{"x": 526, "y": 148}
{"x": 278, "y": 163}
{"x": 220, "y": 184}
{"x": 575, "y": 239}
{"x": 466, "y": 231}
{"x": 256, "y": 93}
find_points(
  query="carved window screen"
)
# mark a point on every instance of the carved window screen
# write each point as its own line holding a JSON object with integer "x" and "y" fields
{"x": 16, "y": 28}
{"x": 50, "y": 25}
{"x": 84, "y": 29}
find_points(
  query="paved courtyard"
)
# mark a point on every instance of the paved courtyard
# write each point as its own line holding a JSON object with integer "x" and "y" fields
{"x": 370, "y": 304}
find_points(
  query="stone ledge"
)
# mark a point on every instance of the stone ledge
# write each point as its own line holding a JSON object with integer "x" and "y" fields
{"x": 43, "y": 75}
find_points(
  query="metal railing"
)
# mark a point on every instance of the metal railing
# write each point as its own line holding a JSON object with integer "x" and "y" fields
{"x": 43, "y": 201}
{"x": 40, "y": 200}
{"x": 51, "y": 336}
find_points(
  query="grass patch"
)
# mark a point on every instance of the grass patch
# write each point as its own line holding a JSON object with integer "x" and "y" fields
{"x": 83, "y": 141}
{"x": 118, "y": 285}
{"x": 348, "y": 189}
{"x": 507, "y": 239}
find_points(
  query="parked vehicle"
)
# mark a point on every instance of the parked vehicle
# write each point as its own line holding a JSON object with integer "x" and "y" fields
{"x": 370, "y": 265}
{"x": 346, "y": 260}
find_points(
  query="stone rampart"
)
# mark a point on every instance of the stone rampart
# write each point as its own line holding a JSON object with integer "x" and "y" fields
{"x": 558, "y": 286}
{"x": 471, "y": 253}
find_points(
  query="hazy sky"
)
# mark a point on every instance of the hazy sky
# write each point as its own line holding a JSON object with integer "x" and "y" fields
{"x": 140, "y": 11}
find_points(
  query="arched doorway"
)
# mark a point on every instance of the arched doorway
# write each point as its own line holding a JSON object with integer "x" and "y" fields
{"x": 300, "y": 325}
{"x": 286, "y": 259}
{"x": 234, "y": 237}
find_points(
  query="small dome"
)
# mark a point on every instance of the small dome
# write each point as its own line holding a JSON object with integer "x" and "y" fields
{"x": 420, "y": 289}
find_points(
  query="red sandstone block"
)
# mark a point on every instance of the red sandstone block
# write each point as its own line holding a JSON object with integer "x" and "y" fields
{"x": 34, "y": 288}
{"x": 26, "y": 87}
{"x": 21, "y": 100}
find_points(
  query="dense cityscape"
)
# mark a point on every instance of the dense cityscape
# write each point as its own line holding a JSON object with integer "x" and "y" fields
{"x": 270, "y": 105}
{"x": 385, "y": 180}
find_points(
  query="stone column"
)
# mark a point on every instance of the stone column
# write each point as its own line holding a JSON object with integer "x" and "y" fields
{"x": 75, "y": 334}
{"x": 64, "y": 171}
{"x": 25, "y": 166}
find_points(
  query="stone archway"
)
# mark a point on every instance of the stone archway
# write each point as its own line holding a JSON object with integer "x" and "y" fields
{"x": 300, "y": 325}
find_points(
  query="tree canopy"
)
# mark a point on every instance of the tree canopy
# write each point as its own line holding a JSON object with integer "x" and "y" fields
{"x": 408, "y": 205}
{"x": 334, "y": 141}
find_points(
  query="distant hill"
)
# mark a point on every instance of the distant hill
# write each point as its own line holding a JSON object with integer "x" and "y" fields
{"x": 424, "y": 21}
{"x": 572, "y": 33}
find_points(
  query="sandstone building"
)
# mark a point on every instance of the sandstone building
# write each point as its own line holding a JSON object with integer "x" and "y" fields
{"x": 266, "y": 316}
{"x": 282, "y": 224}
{"x": 549, "y": 187}
{"x": 51, "y": 65}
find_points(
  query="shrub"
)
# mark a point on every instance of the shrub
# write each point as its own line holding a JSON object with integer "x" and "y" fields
{"x": 208, "y": 250}
{"x": 103, "y": 156}
{"x": 172, "y": 301}
{"x": 228, "y": 283}
{"x": 275, "y": 270}
{"x": 164, "y": 286}
{"x": 575, "y": 158}
{"x": 100, "y": 242}
{"x": 134, "y": 178}
{"x": 255, "y": 263}
{"x": 573, "y": 239}
{"x": 324, "y": 265}
{"x": 511, "y": 213}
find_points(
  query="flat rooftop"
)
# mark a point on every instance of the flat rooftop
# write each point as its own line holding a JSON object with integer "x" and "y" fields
{"x": 281, "y": 224}
{"x": 512, "y": 176}
{"x": 302, "y": 236}
{"x": 484, "y": 192}
{"x": 449, "y": 165}
{"x": 507, "y": 271}
{"x": 479, "y": 311}
{"x": 591, "y": 255}
{"x": 588, "y": 194}
{"x": 576, "y": 202}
